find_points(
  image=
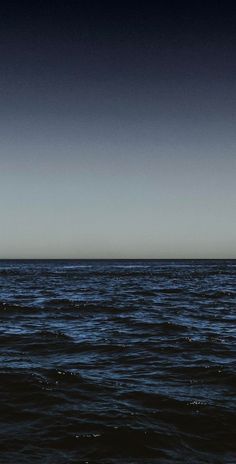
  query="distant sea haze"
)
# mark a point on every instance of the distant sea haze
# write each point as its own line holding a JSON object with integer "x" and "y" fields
{"x": 113, "y": 362}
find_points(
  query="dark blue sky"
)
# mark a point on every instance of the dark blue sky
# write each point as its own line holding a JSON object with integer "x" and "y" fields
{"x": 117, "y": 129}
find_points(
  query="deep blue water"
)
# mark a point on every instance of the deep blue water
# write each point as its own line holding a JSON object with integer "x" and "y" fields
{"x": 118, "y": 362}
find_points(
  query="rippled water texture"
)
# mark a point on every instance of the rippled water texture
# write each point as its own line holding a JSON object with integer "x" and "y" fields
{"x": 117, "y": 362}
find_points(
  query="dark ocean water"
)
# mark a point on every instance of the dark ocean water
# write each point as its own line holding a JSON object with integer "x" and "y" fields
{"x": 118, "y": 362}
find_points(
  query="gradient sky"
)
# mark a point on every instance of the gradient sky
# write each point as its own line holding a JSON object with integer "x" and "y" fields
{"x": 118, "y": 130}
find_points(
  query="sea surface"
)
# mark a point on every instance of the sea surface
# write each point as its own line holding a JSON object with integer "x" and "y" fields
{"x": 118, "y": 362}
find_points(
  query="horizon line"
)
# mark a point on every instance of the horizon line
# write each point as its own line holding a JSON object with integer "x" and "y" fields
{"x": 118, "y": 259}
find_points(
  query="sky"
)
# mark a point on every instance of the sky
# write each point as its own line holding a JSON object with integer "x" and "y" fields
{"x": 117, "y": 129}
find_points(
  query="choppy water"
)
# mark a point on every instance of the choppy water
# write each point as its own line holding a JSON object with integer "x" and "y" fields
{"x": 117, "y": 362}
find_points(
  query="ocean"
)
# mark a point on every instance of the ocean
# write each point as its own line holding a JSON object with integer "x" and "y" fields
{"x": 118, "y": 361}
